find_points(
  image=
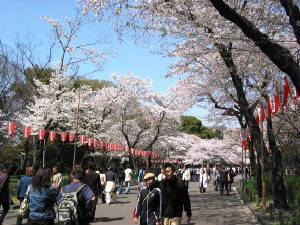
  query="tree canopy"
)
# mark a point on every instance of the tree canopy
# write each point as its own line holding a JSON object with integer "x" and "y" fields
{"x": 192, "y": 125}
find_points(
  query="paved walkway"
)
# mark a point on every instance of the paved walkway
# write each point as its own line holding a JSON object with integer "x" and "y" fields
{"x": 208, "y": 208}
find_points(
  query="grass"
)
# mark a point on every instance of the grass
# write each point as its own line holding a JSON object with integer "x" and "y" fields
{"x": 290, "y": 215}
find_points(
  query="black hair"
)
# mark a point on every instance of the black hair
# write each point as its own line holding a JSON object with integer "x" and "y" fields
{"x": 92, "y": 166}
{"x": 41, "y": 178}
{"x": 78, "y": 174}
{"x": 170, "y": 165}
{"x": 102, "y": 170}
{"x": 56, "y": 167}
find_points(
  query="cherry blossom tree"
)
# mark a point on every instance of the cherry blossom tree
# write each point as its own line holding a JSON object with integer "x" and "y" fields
{"x": 211, "y": 49}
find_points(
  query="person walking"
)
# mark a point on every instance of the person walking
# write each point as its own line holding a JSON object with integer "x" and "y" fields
{"x": 23, "y": 184}
{"x": 175, "y": 198}
{"x": 102, "y": 176}
{"x": 128, "y": 176}
{"x": 92, "y": 179}
{"x": 121, "y": 179}
{"x": 161, "y": 176}
{"x": 203, "y": 180}
{"x": 149, "y": 204}
{"x": 217, "y": 178}
{"x": 231, "y": 174}
{"x": 42, "y": 197}
{"x": 223, "y": 181}
{"x": 186, "y": 176}
{"x": 111, "y": 179}
{"x": 140, "y": 175}
{"x": 85, "y": 196}
{"x": 57, "y": 178}
{"x": 4, "y": 191}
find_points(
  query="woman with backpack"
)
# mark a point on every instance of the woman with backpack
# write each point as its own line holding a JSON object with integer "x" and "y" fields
{"x": 148, "y": 206}
{"x": 42, "y": 197}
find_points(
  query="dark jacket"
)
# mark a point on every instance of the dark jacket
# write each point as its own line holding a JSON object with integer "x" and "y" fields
{"x": 23, "y": 185}
{"x": 121, "y": 175}
{"x": 149, "y": 205}
{"x": 223, "y": 176}
{"x": 4, "y": 186}
{"x": 111, "y": 176}
{"x": 231, "y": 175}
{"x": 92, "y": 179}
{"x": 175, "y": 197}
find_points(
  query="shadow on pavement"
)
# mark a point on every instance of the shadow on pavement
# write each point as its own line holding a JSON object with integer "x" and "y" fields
{"x": 108, "y": 219}
{"x": 119, "y": 202}
{"x": 211, "y": 208}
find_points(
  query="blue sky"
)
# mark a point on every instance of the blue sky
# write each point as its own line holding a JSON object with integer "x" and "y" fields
{"x": 22, "y": 18}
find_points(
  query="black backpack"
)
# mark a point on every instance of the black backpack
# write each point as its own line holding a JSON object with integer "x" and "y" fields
{"x": 68, "y": 207}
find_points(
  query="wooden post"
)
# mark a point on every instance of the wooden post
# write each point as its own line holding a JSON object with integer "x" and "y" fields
{"x": 280, "y": 217}
{"x": 76, "y": 129}
{"x": 271, "y": 210}
{"x": 247, "y": 191}
{"x": 251, "y": 195}
{"x": 257, "y": 201}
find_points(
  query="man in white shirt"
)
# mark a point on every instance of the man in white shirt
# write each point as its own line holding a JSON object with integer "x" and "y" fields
{"x": 186, "y": 176}
{"x": 128, "y": 175}
{"x": 56, "y": 179}
{"x": 161, "y": 176}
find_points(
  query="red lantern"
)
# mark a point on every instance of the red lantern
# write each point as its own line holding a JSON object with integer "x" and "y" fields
{"x": 26, "y": 131}
{"x": 71, "y": 137}
{"x": 126, "y": 149}
{"x": 82, "y": 139}
{"x": 96, "y": 143}
{"x": 52, "y": 135}
{"x": 63, "y": 136}
{"x": 90, "y": 142}
{"x": 11, "y": 128}
{"x": 41, "y": 134}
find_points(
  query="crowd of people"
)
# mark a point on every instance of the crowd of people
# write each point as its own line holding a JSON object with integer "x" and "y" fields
{"x": 162, "y": 196}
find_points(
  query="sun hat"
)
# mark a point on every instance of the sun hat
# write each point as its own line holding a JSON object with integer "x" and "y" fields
{"x": 149, "y": 175}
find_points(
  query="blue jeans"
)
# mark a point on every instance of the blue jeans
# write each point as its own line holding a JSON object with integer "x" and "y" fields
{"x": 120, "y": 190}
{"x": 127, "y": 183}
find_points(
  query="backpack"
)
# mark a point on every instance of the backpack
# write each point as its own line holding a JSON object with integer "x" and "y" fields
{"x": 68, "y": 207}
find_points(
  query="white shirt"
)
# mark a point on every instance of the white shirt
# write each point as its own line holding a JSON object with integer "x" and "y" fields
{"x": 102, "y": 178}
{"x": 57, "y": 179}
{"x": 161, "y": 177}
{"x": 128, "y": 174}
{"x": 186, "y": 175}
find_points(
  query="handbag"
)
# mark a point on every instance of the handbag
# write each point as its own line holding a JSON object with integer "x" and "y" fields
{"x": 23, "y": 211}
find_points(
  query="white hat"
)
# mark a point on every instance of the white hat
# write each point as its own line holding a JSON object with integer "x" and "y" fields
{"x": 149, "y": 175}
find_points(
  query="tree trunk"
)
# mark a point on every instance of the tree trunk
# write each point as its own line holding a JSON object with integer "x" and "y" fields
{"x": 37, "y": 153}
{"x": 278, "y": 188}
{"x": 252, "y": 159}
{"x": 27, "y": 149}
{"x": 226, "y": 54}
{"x": 258, "y": 179}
